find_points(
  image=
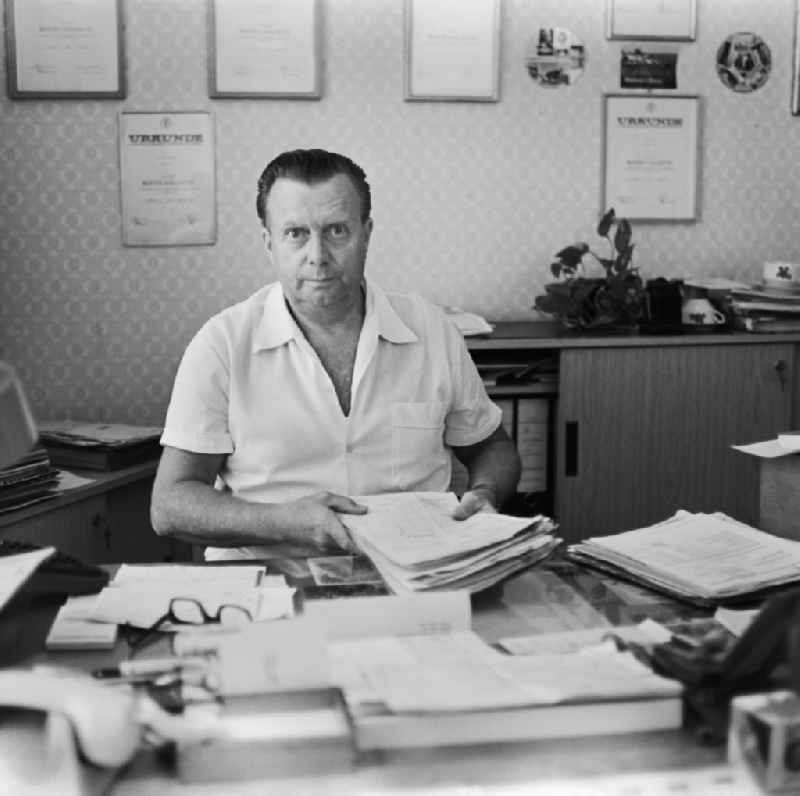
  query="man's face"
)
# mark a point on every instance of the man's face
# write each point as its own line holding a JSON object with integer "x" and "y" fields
{"x": 317, "y": 242}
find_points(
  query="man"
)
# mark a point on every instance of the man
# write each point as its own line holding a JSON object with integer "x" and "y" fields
{"x": 318, "y": 387}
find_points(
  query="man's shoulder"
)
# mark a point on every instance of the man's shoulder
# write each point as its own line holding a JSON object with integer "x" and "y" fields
{"x": 242, "y": 317}
{"x": 414, "y": 308}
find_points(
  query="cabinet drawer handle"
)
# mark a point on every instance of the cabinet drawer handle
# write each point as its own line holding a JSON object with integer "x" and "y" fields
{"x": 571, "y": 448}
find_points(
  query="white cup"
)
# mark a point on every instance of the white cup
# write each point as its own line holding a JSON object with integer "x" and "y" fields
{"x": 17, "y": 429}
{"x": 781, "y": 274}
{"x": 700, "y": 312}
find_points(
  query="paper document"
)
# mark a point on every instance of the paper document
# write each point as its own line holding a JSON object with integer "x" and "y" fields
{"x": 460, "y": 672}
{"x": 416, "y": 528}
{"x": 646, "y": 633}
{"x": 769, "y": 449}
{"x": 710, "y": 556}
{"x": 141, "y": 603}
{"x": 737, "y": 621}
{"x": 194, "y": 574}
{"x": 74, "y": 629}
{"x": 416, "y": 545}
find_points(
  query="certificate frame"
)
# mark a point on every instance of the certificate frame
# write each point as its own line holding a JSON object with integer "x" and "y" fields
{"x": 473, "y": 36}
{"x": 651, "y": 156}
{"x": 658, "y": 20}
{"x": 167, "y": 178}
{"x": 795, "y": 103}
{"x": 246, "y": 58}
{"x": 38, "y": 68}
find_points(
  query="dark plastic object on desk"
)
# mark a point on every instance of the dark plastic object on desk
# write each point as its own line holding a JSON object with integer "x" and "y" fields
{"x": 664, "y": 298}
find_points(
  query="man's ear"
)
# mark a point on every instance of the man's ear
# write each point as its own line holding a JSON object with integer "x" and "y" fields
{"x": 367, "y": 232}
{"x": 265, "y": 236}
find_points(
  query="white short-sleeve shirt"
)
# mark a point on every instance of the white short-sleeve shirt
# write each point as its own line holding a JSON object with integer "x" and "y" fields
{"x": 251, "y": 386}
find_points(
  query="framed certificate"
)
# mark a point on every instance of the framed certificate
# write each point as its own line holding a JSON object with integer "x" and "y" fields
{"x": 651, "y": 19}
{"x": 167, "y": 179}
{"x": 59, "y": 49}
{"x": 650, "y": 156}
{"x": 796, "y": 62}
{"x": 452, "y": 50}
{"x": 264, "y": 48}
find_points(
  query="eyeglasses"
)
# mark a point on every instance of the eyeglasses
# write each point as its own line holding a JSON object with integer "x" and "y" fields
{"x": 190, "y": 611}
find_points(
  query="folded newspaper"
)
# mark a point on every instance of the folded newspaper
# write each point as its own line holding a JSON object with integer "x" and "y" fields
{"x": 416, "y": 545}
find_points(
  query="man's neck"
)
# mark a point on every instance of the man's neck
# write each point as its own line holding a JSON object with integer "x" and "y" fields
{"x": 334, "y": 320}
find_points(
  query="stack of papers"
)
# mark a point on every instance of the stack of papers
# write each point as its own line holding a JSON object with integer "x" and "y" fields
{"x": 416, "y": 545}
{"x": 140, "y": 595}
{"x": 81, "y": 434}
{"x": 704, "y": 558}
{"x": 452, "y": 688}
{"x": 73, "y": 627}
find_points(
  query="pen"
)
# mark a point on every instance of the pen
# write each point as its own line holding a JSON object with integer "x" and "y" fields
{"x": 147, "y": 667}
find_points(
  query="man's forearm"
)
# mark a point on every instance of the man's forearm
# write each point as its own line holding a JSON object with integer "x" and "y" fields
{"x": 199, "y": 513}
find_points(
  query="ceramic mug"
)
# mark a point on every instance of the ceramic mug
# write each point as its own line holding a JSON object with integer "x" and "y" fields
{"x": 700, "y": 312}
{"x": 779, "y": 274}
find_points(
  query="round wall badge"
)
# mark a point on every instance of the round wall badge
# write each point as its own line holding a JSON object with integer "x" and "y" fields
{"x": 555, "y": 57}
{"x": 744, "y": 62}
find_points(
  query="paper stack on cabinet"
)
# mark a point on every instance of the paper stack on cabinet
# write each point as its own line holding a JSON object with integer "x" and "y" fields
{"x": 416, "y": 545}
{"x": 98, "y": 446}
{"x": 27, "y": 480}
{"x": 452, "y": 689}
{"x": 704, "y": 558}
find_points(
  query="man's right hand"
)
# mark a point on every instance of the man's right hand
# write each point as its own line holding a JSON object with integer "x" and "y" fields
{"x": 319, "y": 526}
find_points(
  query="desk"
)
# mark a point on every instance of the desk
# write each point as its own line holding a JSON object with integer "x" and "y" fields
{"x": 103, "y": 521}
{"x": 549, "y": 597}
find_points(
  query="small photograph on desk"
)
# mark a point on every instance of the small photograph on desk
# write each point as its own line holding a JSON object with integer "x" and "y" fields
{"x": 343, "y": 571}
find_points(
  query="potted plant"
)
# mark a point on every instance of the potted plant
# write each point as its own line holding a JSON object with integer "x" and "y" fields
{"x": 613, "y": 300}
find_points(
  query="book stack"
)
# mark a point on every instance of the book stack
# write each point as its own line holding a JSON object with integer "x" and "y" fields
{"x": 416, "y": 545}
{"x": 28, "y": 480}
{"x": 705, "y": 559}
{"x": 98, "y": 446}
{"x": 452, "y": 689}
{"x": 765, "y": 309}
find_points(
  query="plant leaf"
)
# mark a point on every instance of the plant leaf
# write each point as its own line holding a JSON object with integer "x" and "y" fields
{"x": 624, "y": 259}
{"x": 571, "y": 255}
{"x": 622, "y": 238}
{"x": 605, "y": 223}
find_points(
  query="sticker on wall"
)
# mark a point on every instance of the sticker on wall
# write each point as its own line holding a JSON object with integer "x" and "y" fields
{"x": 555, "y": 57}
{"x": 744, "y": 62}
{"x": 655, "y": 70}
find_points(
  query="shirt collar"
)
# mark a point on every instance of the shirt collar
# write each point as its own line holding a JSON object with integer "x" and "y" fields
{"x": 277, "y": 326}
{"x": 388, "y": 323}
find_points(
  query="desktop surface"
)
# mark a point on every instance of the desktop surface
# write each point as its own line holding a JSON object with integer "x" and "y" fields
{"x": 554, "y": 596}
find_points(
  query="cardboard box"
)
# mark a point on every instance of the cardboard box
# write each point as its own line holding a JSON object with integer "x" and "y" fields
{"x": 779, "y": 487}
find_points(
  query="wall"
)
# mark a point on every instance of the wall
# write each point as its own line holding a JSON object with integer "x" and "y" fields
{"x": 471, "y": 199}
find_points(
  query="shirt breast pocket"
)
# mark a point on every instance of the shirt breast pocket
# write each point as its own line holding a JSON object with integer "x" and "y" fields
{"x": 418, "y": 450}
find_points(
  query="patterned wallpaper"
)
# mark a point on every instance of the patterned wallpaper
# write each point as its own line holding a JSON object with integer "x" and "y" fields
{"x": 471, "y": 199}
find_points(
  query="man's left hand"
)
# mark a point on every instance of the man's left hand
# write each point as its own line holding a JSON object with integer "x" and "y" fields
{"x": 473, "y": 501}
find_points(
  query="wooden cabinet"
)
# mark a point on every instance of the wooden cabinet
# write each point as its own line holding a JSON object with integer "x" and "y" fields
{"x": 645, "y": 431}
{"x": 643, "y": 426}
{"x": 104, "y": 521}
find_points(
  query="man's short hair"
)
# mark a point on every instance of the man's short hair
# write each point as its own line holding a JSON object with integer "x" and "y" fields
{"x": 311, "y": 166}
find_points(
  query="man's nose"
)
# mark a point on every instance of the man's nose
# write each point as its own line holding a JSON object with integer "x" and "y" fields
{"x": 315, "y": 250}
